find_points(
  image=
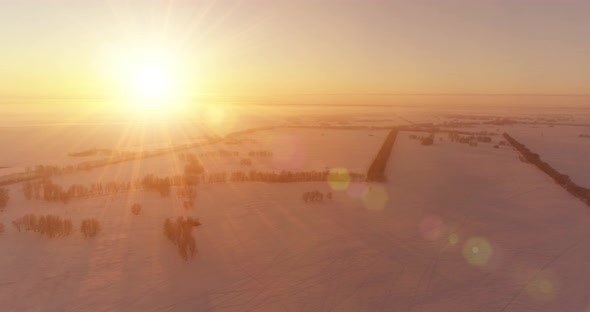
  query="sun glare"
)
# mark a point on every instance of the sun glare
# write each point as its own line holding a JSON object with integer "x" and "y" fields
{"x": 149, "y": 77}
{"x": 150, "y": 80}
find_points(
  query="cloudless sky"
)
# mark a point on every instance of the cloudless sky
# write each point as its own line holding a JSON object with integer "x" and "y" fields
{"x": 252, "y": 47}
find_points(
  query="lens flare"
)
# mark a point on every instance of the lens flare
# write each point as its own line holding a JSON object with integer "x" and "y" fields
{"x": 453, "y": 239}
{"x": 477, "y": 251}
{"x": 375, "y": 197}
{"x": 543, "y": 286}
{"x": 339, "y": 179}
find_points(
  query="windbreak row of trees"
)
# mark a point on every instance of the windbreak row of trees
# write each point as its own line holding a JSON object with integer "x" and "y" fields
{"x": 49, "y": 225}
{"x": 4, "y": 197}
{"x": 290, "y": 176}
{"x": 54, "y": 226}
{"x": 48, "y": 190}
{"x": 376, "y": 171}
{"x": 559, "y": 178}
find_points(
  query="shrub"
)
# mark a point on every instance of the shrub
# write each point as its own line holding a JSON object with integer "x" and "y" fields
{"x": 246, "y": 162}
{"x": 136, "y": 209}
{"x": 179, "y": 232}
{"x": 316, "y": 196}
{"x": 90, "y": 227}
{"x": 1, "y": 228}
{"x": 48, "y": 225}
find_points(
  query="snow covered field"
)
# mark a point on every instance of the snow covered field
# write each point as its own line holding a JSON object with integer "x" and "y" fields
{"x": 455, "y": 228}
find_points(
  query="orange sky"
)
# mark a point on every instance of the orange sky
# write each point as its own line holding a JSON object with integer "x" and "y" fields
{"x": 261, "y": 47}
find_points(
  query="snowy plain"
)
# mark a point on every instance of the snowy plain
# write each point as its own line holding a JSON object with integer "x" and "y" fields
{"x": 454, "y": 228}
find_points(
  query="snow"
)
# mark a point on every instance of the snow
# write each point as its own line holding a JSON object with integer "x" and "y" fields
{"x": 455, "y": 228}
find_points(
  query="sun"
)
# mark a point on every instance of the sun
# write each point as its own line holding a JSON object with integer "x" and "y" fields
{"x": 151, "y": 80}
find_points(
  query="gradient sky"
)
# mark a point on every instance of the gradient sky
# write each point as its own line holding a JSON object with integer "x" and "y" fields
{"x": 251, "y": 47}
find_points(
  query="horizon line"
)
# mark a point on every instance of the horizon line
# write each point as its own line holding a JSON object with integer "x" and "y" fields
{"x": 54, "y": 97}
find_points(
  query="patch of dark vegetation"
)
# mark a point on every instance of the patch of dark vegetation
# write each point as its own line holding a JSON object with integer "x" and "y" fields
{"x": 586, "y": 136}
{"x": 48, "y": 191}
{"x": 1, "y": 227}
{"x": 425, "y": 140}
{"x": 48, "y": 225}
{"x": 89, "y": 227}
{"x": 136, "y": 209}
{"x": 161, "y": 185}
{"x": 4, "y": 198}
{"x": 564, "y": 180}
{"x": 193, "y": 166}
{"x": 179, "y": 232}
{"x": 246, "y": 162}
{"x": 428, "y": 140}
{"x": 316, "y": 196}
{"x": 376, "y": 172}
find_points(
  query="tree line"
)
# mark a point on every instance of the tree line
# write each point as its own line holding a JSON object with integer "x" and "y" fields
{"x": 559, "y": 178}
{"x": 471, "y": 140}
{"x": 4, "y": 198}
{"x": 54, "y": 226}
{"x": 376, "y": 171}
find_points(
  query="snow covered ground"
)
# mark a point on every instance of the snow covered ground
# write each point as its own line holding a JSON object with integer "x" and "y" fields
{"x": 455, "y": 228}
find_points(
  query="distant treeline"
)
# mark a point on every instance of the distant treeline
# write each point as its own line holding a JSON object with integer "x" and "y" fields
{"x": 92, "y": 152}
{"x": 376, "y": 171}
{"x": 559, "y": 178}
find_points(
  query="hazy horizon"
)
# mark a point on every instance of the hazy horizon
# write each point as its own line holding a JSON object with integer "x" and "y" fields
{"x": 68, "y": 49}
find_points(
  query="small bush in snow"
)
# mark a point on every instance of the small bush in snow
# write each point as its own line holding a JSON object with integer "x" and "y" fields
{"x": 136, "y": 209}
{"x": 90, "y": 227}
